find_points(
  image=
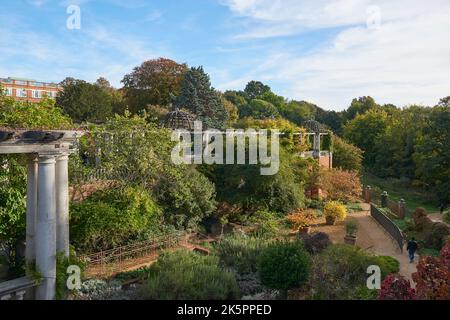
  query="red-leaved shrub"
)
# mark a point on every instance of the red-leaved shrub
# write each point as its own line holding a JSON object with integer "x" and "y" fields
{"x": 445, "y": 255}
{"x": 432, "y": 279}
{"x": 396, "y": 287}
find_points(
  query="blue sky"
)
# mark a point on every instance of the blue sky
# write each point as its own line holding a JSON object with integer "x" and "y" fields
{"x": 323, "y": 51}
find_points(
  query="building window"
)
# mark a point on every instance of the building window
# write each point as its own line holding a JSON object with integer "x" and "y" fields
{"x": 36, "y": 94}
{"x": 8, "y": 91}
{"x": 21, "y": 82}
{"x": 21, "y": 93}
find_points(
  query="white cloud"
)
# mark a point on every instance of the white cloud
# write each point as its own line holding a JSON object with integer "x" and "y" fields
{"x": 404, "y": 61}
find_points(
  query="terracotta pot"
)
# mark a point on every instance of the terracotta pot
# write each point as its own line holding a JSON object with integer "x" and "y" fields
{"x": 330, "y": 220}
{"x": 304, "y": 229}
{"x": 350, "y": 239}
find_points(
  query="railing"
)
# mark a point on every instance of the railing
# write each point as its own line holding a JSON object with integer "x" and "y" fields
{"x": 388, "y": 225}
{"x": 17, "y": 289}
{"x": 381, "y": 199}
{"x": 108, "y": 262}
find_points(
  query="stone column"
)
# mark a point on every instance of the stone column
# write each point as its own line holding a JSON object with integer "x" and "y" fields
{"x": 32, "y": 184}
{"x": 316, "y": 145}
{"x": 62, "y": 204}
{"x": 46, "y": 228}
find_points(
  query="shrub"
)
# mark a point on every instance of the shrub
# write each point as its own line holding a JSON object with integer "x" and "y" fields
{"x": 316, "y": 242}
{"x": 346, "y": 156}
{"x": 432, "y": 279}
{"x": 284, "y": 265}
{"x": 301, "y": 219}
{"x": 315, "y": 204}
{"x": 339, "y": 272}
{"x": 445, "y": 255}
{"x": 396, "y": 287}
{"x": 266, "y": 229}
{"x": 341, "y": 185}
{"x": 335, "y": 210}
{"x": 437, "y": 235}
{"x": 184, "y": 275}
{"x": 387, "y": 265}
{"x": 446, "y": 216}
{"x": 240, "y": 252}
{"x": 112, "y": 218}
{"x": 421, "y": 220}
{"x": 62, "y": 263}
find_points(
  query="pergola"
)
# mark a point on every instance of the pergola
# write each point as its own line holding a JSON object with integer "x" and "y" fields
{"x": 47, "y": 201}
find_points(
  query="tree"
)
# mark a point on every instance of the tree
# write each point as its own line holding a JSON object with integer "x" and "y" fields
{"x": 341, "y": 185}
{"x": 259, "y": 109}
{"x": 432, "y": 153}
{"x": 138, "y": 153}
{"x": 84, "y": 101}
{"x": 365, "y": 130}
{"x": 255, "y": 89}
{"x": 444, "y": 102}
{"x": 232, "y": 110}
{"x": 332, "y": 119}
{"x": 346, "y": 156}
{"x": 42, "y": 115}
{"x": 396, "y": 146}
{"x": 198, "y": 97}
{"x": 359, "y": 106}
{"x": 298, "y": 111}
{"x": 238, "y": 98}
{"x": 154, "y": 82}
{"x": 277, "y": 101}
{"x": 245, "y": 187}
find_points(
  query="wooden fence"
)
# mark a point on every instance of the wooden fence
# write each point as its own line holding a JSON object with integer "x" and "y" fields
{"x": 109, "y": 262}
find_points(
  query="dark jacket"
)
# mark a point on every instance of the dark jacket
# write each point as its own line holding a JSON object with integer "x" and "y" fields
{"x": 412, "y": 245}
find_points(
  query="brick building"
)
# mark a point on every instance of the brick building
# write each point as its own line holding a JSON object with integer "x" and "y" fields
{"x": 29, "y": 90}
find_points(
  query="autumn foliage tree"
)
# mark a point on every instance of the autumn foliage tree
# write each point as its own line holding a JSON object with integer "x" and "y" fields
{"x": 154, "y": 82}
{"x": 340, "y": 185}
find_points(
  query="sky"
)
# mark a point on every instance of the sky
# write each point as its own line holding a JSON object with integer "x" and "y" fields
{"x": 324, "y": 51}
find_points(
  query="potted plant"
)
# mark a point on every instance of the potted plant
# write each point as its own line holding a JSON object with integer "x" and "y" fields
{"x": 351, "y": 229}
{"x": 334, "y": 211}
{"x": 301, "y": 221}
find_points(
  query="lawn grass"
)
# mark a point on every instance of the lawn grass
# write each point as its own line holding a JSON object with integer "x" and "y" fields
{"x": 353, "y": 207}
{"x": 398, "y": 189}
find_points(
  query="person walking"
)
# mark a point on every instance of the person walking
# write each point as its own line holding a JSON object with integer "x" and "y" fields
{"x": 412, "y": 248}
